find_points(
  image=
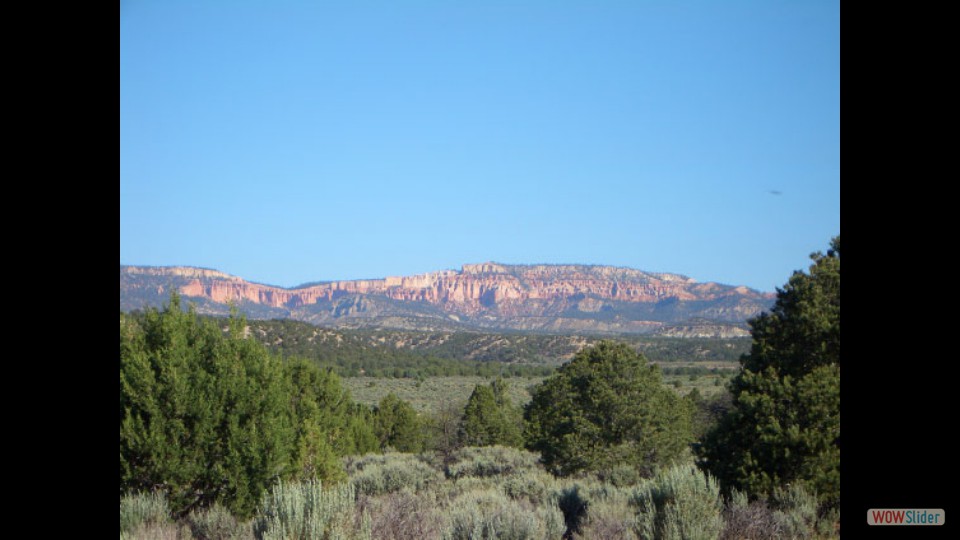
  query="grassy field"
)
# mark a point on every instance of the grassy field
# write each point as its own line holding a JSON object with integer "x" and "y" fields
{"x": 430, "y": 394}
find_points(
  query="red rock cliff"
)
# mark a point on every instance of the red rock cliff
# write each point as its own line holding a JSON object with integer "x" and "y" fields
{"x": 474, "y": 288}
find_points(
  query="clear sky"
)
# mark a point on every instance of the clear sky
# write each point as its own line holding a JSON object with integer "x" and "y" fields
{"x": 288, "y": 142}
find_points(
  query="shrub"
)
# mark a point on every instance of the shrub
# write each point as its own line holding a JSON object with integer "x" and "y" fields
{"x": 795, "y": 510}
{"x": 491, "y": 461}
{"x": 156, "y": 531}
{"x": 620, "y": 476}
{"x": 308, "y": 510}
{"x": 611, "y": 519}
{"x": 534, "y": 486}
{"x": 404, "y": 516}
{"x": 143, "y": 509}
{"x": 828, "y": 524}
{"x": 389, "y": 473}
{"x": 489, "y": 514}
{"x": 217, "y": 523}
{"x": 452, "y": 489}
{"x": 744, "y": 520}
{"x": 680, "y": 502}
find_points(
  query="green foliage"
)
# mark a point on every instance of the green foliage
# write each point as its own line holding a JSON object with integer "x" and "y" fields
{"x": 352, "y": 353}
{"x": 140, "y": 509}
{"x": 802, "y": 330}
{"x": 534, "y": 485}
{"x": 210, "y": 416}
{"x": 217, "y": 523}
{"x": 328, "y": 424}
{"x": 203, "y": 416}
{"x": 708, "y": 411}
{"x": 784, "y": 427}
{"x": 795, "y": 510}
{"x": 605, "y": 408}
{"x": 310, "y": 511}
{"x": 397, "y": 426}
{"x": 489, "y": 514}
{"x": 434, "y": 394}
{"x": 388, "y": 473}
{"x": 489, "y": 417}
{"x": 412, "y": 354}
{"x": 679, "y": 503}
{"x": 608, "y": 518}
{"x": 490, "y": 461}
{"x": 620, "y": 476}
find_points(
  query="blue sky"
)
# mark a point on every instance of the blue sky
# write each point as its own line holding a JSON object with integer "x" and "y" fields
{"x": 288, "y": 142}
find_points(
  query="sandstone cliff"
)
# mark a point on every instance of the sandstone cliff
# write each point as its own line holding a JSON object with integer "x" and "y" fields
{"x": 563, "y": 298}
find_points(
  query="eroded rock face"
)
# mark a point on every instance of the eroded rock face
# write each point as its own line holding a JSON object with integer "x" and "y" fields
{"x": 480, "y": 290}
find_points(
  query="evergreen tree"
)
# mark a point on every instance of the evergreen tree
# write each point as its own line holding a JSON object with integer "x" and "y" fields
{"x": 320, "y": 406}
{"x": 489, "y": 418}
{"x": 203, "y": 416}
{"x": 605, "y": 408}
{"x": 785, "y": 423}
{"x": 397, "y": 425}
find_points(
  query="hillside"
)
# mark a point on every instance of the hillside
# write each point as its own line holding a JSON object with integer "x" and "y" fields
{"x": 556, "y": 299}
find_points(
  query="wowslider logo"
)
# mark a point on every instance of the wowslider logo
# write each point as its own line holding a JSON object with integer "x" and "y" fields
{"x": 902, "y": 516}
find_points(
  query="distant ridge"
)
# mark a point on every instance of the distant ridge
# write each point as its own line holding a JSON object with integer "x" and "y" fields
{"x": 554, "y": 298}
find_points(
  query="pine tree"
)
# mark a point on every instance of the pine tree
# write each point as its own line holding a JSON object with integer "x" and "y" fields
{"x": 784, "y": 427}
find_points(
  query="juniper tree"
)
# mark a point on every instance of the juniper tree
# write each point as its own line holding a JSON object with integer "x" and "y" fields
{"x": 784, "y": 426}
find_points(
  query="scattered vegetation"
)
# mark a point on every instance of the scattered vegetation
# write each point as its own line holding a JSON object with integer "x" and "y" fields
{"x": 492, "y": 492}
{"x": 220, "y": 439}
{"x": 380, "y": 352}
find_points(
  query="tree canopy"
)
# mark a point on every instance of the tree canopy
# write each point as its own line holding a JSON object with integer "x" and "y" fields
{"x": 211, "y": 416}
{"x": 784, "y": 426}
{"x": 490, "y": 418}
{"x": 604, "y": 408}
{"x": 397, "y": 425}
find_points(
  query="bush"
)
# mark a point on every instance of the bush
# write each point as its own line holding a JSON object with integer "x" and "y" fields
{"x": 611, "y": 519}
{"x": 308, "y": 510}
{"x": 679, "y": 503}
{"x": 745, "y": 520}
{"x": 489, "y": 514}
{"x": 604, "y": 408}
{"x": 379, "y": 474}
{"x": 404, "y": 516}
{"x": 534, "y": 486}
{"x": 156, "y": 531}
{"x": 795, "y": 510}
{"x": 620, "y": 476}
{"x": 217, "y": 523}
{"x": 491, "y": 461}
{"x": 143, "y": 509}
